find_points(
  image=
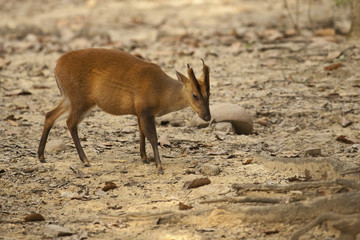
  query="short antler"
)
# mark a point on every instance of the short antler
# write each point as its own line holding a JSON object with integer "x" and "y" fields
{"x": 205, "y": 78}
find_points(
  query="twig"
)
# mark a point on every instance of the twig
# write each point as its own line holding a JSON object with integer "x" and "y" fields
{"x": 295, "y": 186}
{"x": 11, "y": 221}
{"x": 244, "y": 200}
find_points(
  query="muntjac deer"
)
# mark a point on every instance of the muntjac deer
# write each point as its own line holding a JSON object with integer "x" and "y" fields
{"x": 120, "y": 83}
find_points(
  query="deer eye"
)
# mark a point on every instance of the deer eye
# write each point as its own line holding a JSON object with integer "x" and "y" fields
{"x": 195, "y": 97}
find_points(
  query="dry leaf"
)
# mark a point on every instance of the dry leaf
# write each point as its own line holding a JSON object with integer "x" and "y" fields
{"x": 262, "y": 121}
{"x": 333, "y": 66}
{"x": 34, "y": 217}
{"x": 184, "y": 207}
{"x": 325, "y": 32}
{"x": 307, "y": 175}
{"x": 40, "y": 86}
{"x": 333, "y": 55}
{"x": 13, "y": 123}
{"x": 108, "y": 186}
{"x": 345, "y": 139}
{"x": 333, "y": 95}
{"x": 196, "y": 183}
{"x": 269, "y": 63}
{"x": 185, "y": 53}
{"x": 248, "y": 161}
{"x": 12, "y": 118}
{"x": 30, "y": 169}
{"x": 290, "y": 32}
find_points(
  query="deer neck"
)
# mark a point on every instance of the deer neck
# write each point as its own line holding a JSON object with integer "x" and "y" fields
{"x": 174, "y": 98}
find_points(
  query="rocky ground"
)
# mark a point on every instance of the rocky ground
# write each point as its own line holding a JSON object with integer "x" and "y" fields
{"x": 302, "y": 91}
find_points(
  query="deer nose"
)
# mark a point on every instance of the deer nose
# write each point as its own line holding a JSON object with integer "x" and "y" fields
{"x": 207, "y": 117}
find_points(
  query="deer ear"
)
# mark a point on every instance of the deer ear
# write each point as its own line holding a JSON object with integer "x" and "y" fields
{"x": 205, "y": 78}
{"x": 182, "y": 78}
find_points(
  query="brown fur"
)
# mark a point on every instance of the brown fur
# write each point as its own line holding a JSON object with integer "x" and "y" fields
{"x": 120, "y": 83}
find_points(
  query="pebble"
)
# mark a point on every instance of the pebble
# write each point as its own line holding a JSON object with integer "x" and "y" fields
{"x": 67, "y": 194}
{"x": 343, "y": 26}
{"x": 55, "y": 146}
{"x": 313, "y": 152}
{"x": 353, "y": 148}
{"x": 224, "y": 127}
{"x": 127, "y": 130}
{"x": 210, "y": 169}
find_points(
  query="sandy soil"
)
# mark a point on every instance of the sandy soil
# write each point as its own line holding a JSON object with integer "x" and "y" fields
{"x": 257, "y": 61}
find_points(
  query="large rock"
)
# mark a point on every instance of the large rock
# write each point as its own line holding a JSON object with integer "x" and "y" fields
{"x": 228, "y": 112}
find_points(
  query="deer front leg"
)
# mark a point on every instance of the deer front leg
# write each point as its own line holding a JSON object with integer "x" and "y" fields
{"x": 142, "y": 143}
{"x": 147, "y": 121}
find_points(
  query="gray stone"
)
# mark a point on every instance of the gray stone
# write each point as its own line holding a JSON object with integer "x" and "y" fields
{"x": 55, "y": 146}
{"x": 53, "y": 230}
{"x": 210, "y": 169}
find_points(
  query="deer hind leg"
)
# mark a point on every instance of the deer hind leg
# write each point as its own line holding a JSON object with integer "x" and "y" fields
{"x": 50, "y": 119}
{"x": 73, "y": 120}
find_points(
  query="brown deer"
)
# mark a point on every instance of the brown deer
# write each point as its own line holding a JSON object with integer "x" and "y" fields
{"x": 120, "y": 83}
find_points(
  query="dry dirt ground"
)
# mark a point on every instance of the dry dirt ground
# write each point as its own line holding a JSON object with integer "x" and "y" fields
{"x": 301, "y": 90}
